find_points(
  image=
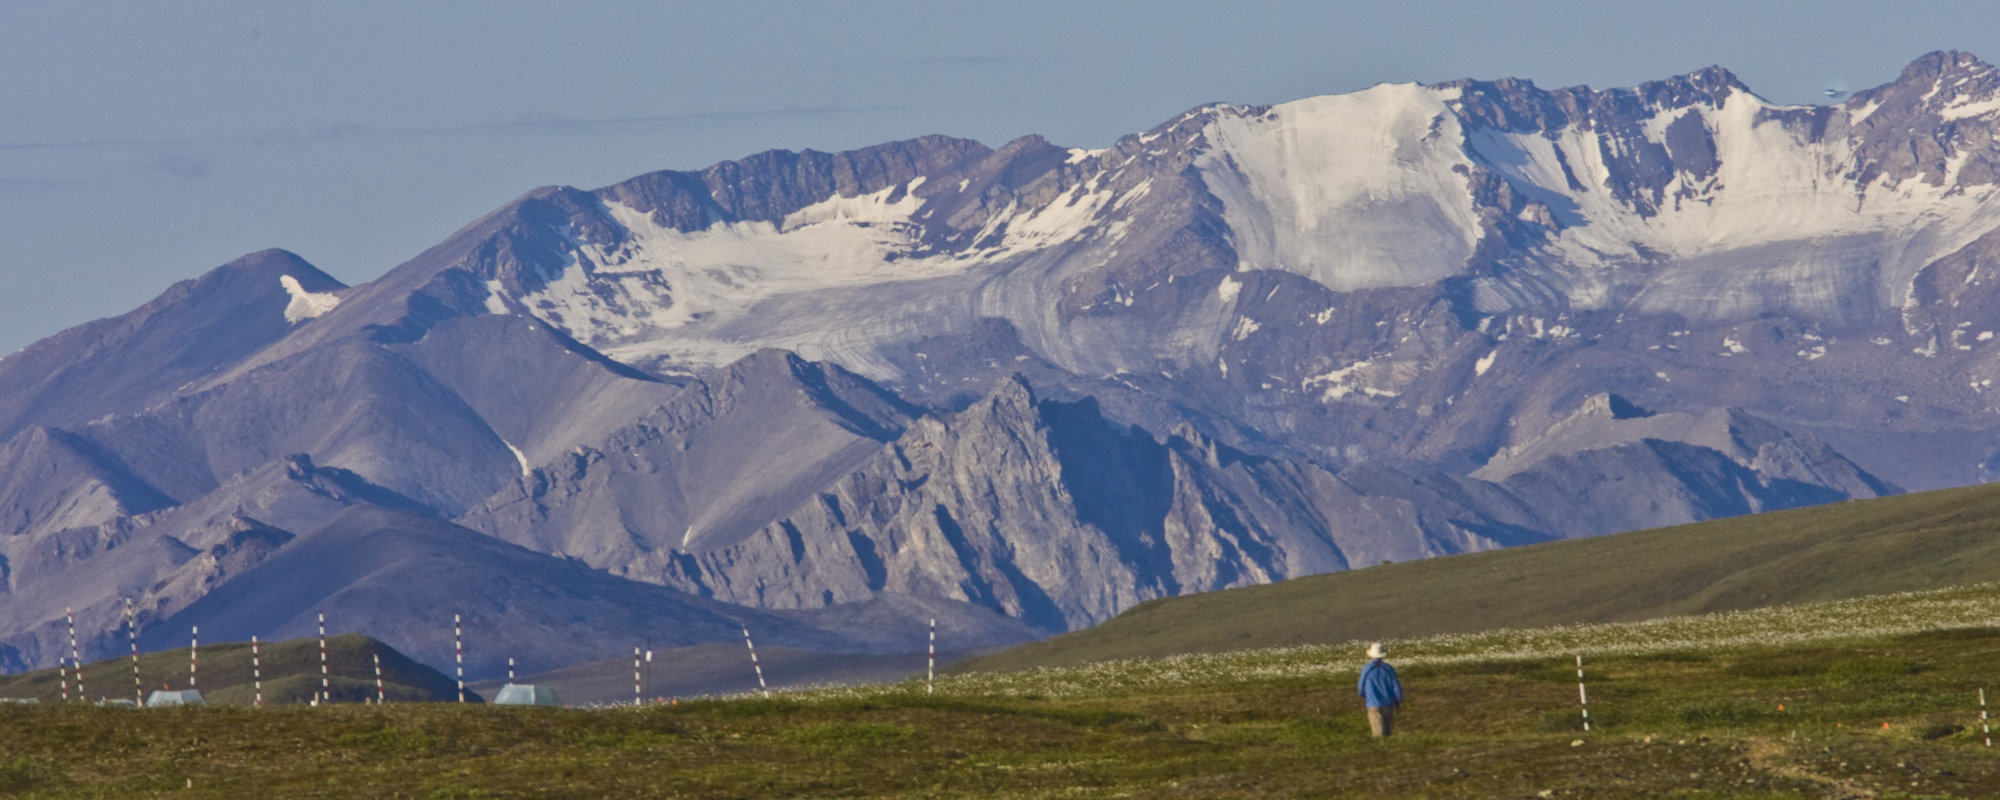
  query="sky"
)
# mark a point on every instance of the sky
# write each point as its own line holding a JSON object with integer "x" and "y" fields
{"x": 144, "y": 143}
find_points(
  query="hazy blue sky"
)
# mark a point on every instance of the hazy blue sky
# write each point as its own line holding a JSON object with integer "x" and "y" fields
{"x": 142, "y": 143}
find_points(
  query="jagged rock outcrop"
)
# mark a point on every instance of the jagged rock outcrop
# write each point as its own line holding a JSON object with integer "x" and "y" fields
{"x": 719, "y": 459}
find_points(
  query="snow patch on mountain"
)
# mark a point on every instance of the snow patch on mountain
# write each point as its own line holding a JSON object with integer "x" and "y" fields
{"x": 495, "y": 298}
{"x": 1354, "y": 379}
{"x": 1967, "y": 108}
{"x": 1484, "y": 363}
{"x": 305, "y": 305}
{"x": 625, "y": 296}
{"x": 712, "y": 296}
{"x": 1354, "y": 191}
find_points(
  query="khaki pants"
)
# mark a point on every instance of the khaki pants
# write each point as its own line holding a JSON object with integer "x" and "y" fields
{"x": 1382, "y": 721}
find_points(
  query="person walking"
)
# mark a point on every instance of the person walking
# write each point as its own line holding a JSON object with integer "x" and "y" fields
{"x": 1381, "y": 690}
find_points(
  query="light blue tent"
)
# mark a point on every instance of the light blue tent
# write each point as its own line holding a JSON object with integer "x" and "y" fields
{"x": 523, "y": 694}
{"x": 184, "y": 697}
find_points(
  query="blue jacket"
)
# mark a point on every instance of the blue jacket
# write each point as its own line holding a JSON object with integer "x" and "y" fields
{"x": 1379, "y": 685}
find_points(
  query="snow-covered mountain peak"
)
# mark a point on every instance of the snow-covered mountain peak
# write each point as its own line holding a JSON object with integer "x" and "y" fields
{"x": 1963, "y": 87}
{"x": 1689, "y": 195}
{"x": 1672, "y": 204}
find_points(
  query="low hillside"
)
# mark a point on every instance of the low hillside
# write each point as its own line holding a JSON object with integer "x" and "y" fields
{"x": 718, "y": 669}
{"x": 1854, "y": 549}
{"x": 291, "y": 673}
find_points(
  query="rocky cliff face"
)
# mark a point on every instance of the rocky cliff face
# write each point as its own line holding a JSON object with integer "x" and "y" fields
{"x": 1056, "y": 516}
{"x": 1026, "y": 387}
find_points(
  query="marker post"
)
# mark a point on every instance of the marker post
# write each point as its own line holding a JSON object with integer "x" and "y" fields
{"x": 325, "y": 681}
{"x": 458, "y": 648}
{"x": 257, "y": 670}
{"x": 930, "y": 673}
{"x": 1581, "y": 696}
{"x": 132, "y": 634}
{"x": 753, "y": 662}
{"x": 1984, "y": 726}
{"x": 75, "y": 657}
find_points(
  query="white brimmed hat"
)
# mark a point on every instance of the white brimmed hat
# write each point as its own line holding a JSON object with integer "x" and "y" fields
{"x": 1375, "y": 650}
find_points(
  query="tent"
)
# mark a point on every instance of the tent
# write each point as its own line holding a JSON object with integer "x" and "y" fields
{"x": 185, "y": 697}
{"x": 523, "y": 694}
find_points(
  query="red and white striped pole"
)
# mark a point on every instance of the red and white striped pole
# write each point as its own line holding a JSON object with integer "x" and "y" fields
{"x": 380, "y": 695}
{"x": 325, "y": 681}
{"x": 753, "y": 662}
{"x": 458, "y": 647}
{"x": 75, "y": 657}
{"x": 132, "y": 634}
{"x": 510, "y": 669}
{"x": 194, "y": 654}
{"x": 1581, "y": 697}
{"x": 257, "y": 670}
{"x": 930, "y": 673}
{"x": 63, "y": 666}
{"x": 638, "y": 694}
{"x": 1984, "y": 726}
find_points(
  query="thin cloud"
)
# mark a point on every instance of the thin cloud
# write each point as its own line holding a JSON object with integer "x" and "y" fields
{"x": 32, "y": 184}
{"x": 942, "y": 61}
{"x": 534, "y": 123}
{"x": 180, "y": 165}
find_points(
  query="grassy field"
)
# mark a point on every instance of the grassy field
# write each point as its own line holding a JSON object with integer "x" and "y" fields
{"x": 1855, "y": 549}
{"x": 1771, "y": 703}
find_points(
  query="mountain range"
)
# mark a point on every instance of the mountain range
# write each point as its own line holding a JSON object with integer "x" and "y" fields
{"x": 831, "y": 396}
